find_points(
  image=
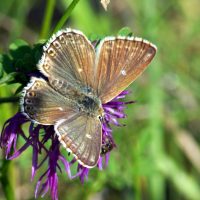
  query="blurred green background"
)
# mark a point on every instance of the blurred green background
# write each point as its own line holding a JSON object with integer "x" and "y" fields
{"x": 158, "y": 152}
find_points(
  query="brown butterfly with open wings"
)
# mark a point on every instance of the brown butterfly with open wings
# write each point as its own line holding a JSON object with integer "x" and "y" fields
{"x": 81, "y": 79}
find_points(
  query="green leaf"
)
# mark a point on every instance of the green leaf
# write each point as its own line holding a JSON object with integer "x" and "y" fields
{"x": 1, "y": 70}
{"x": 16, "y": 44}
{"x": 8, "y": 78}
{"x": 19, "y": 89}
{"x": 20, "y": 78}
{"x": 37, "y": 51}
{"x": 125, "y": 31}
{"x": 7, "y": 63}
{"x": 20, "y": 52}
{"x": 20, "y": 61}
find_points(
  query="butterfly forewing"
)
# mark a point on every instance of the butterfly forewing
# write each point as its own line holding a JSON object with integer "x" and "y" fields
{"x": 81, "y": 135}
{"x": 119, "y": 62}
{"x": 68, "y": 61}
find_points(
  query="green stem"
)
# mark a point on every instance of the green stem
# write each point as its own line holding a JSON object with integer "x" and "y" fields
{"x": 7, "y": 179}
{"x": 66, "y": 15}
{"x": 47, "y": 19}
{"x": 9, "y": 99}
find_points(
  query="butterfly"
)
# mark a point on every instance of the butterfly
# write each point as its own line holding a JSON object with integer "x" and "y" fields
{"x": 80, "y": 78}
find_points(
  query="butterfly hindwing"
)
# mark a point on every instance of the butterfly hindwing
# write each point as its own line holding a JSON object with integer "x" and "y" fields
{"x": 43, "y": 104}
{"x": 119, "y": 62}
{"x": 81, "y": 135}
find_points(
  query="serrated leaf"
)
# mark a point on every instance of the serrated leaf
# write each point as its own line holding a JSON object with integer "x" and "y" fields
{"x": 125, "y": 31}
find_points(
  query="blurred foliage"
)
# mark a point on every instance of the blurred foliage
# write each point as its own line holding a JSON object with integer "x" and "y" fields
{"x": 20, "y": 62}
{"x": 158, "y": 151}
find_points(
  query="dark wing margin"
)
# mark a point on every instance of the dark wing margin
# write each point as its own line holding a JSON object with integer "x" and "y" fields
{"x": 119, "y": 62}
{"x": 81, "y": 135}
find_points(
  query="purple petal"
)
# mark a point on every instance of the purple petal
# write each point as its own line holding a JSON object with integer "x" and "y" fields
{"x": 18, "y": 152}
{"x": 100, "y": 164}
{"x": 66, "y": 165}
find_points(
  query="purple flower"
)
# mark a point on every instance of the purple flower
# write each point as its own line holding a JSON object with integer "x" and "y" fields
{"x": 39, "y": 135}
{"x": 10, "y": 133}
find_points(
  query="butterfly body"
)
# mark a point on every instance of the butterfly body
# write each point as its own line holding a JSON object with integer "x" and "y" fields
{"x": 90, "y": 104}
{"x": 79, "y": 80}
{"x": 81, "y": 97}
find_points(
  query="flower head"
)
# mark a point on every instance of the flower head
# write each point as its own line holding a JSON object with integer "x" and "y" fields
{"x": 38, "y": 137}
